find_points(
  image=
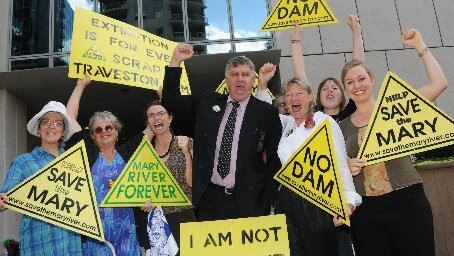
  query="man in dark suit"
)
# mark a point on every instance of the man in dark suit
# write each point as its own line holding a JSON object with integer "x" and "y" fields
{"x": 235, "y": 141}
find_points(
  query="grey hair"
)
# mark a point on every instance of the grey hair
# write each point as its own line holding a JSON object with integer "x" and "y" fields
{"x": 107, "y": 116}
{"x": 237, "y": 61}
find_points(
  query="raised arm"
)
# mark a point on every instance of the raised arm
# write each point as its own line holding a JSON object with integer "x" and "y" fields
{"x": 181, "y": 53}
{"x": 172, "y": 99}
{"x": 266, "y": 72}
{"x": 437, "y": 80}
{"x": 357, "y": 37}
{"x": 299, "y": 69}
{"x": 74, "y": 100}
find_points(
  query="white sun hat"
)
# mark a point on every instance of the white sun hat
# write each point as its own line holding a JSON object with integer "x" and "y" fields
{"x": 52, "y": 106}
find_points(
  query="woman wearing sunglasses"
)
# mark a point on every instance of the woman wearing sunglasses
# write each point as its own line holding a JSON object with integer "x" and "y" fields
{"x": 107, "y": 160}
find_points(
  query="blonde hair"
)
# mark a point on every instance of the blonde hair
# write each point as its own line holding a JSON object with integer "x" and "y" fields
{"x": 354, "y": 63}
{"x": 303, "y": 84}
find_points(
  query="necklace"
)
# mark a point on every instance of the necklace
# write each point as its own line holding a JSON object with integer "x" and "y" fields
{"x": 106, "y": 154}
{"x": 168, "y": 149}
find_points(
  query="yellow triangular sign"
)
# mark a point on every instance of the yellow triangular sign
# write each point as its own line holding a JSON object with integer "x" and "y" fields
{"x": 313, "y": 173}
{"x": 223, "y": 89}
{"x": 403, "y": 123}
{"x": 145, "y": 176}
{"x": 61, "y": 193}
{"x": 94, "y": 53}
{"x": 304, "y": 12}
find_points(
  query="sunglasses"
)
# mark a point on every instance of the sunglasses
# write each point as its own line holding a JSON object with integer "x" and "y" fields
{"x": 107, "y": 128}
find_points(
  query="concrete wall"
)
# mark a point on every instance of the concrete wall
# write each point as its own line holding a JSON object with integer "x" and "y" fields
{"x": 328, "y": 47}
{"x": 4, "y": 29}
{"x": 13, "y": 142}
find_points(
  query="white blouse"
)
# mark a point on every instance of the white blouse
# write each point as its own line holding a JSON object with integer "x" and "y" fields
{"x": 293, "y": 136}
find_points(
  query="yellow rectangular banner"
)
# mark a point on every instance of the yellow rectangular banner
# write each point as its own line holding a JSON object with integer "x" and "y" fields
{"x": 115, "y": 52}
{"x": 256, "y": 236}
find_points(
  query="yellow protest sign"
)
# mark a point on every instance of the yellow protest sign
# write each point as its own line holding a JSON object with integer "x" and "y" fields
{"x": 304, "y": 12}
{"x": 223, "y": 89}
{"x": 313, "y": 173}
{"x": 256, "y": 236}
{"x": 403, "y": 123}
{"x": 116, "y": 52}
{"x": 145, "y": 176}
{"x": 61, "y": 193}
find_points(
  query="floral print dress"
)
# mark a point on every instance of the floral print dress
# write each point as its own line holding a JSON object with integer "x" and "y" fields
{"x": 118, "y": 223}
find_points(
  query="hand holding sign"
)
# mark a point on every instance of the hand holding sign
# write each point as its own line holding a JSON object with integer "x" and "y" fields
{"x": 84, "y": 82}
{"x": 147, "y": 206}
{"x": 356, "y": 165}
{"x": 3, "y": 199}
{"x": 181, "y": 53}
{"x": 349, "y": 211}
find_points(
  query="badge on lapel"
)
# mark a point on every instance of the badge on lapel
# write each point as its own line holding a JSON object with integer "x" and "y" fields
{"x": 216, "y": 108}
{"x": 261, "y": 141}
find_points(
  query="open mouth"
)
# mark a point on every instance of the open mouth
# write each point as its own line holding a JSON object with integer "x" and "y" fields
{"x": 239, "y": 89}
{"x": 330, "y": 97}
{"x": 296, "y": 108}
{"x": 158, "y": 125}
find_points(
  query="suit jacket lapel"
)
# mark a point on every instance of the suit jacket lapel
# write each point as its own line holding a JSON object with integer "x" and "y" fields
{"x": 217, "y": 119}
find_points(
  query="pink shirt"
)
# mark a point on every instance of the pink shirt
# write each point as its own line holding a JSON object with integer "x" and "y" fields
{"x": 229, "y": 180}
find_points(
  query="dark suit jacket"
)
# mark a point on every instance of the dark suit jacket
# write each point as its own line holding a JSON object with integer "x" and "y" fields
{"x": 261, "y": 130}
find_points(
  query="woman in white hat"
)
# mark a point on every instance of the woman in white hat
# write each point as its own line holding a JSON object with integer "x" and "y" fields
{"x": 52, "y": 124}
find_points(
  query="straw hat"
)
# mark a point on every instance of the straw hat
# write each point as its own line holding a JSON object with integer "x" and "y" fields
{"x": 52, "y": 106}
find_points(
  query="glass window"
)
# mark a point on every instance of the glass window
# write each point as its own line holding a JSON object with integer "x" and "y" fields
{"x": 29, "y": 64}
{"x": 61, "y": 61}
{"x": 219, "y": 48}
{"x": 244, "y": 23}
{"x": 63, "y": 22}
{"x": 197, "y": 18}
{"x": 217, "y": 22}
{"x": 122, "y": 10}
{"x": 253, "y": 46}
{"x": 166, "y": 21}
{"x": 30, "y": 27}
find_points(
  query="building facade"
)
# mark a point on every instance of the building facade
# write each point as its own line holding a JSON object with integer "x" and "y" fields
{"x": 35, "y": 40}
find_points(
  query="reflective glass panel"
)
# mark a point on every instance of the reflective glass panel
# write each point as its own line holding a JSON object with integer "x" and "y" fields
{"x": 29, "y": 64}
{"x": 248, "y": 17}
{"x": 219, "y": 48}
{"x": 253, "y": 46}
{"x": 30, "y": 27}
{"x": 216, "y": 23}
{"x": 61, "y": 61}
{"x": 122, "y": 10}
{"x": 63, "y": 22}
{"x": 164, "y": 18}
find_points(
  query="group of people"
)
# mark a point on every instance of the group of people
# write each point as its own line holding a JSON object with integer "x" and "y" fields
{"x": 239, "y": 143}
